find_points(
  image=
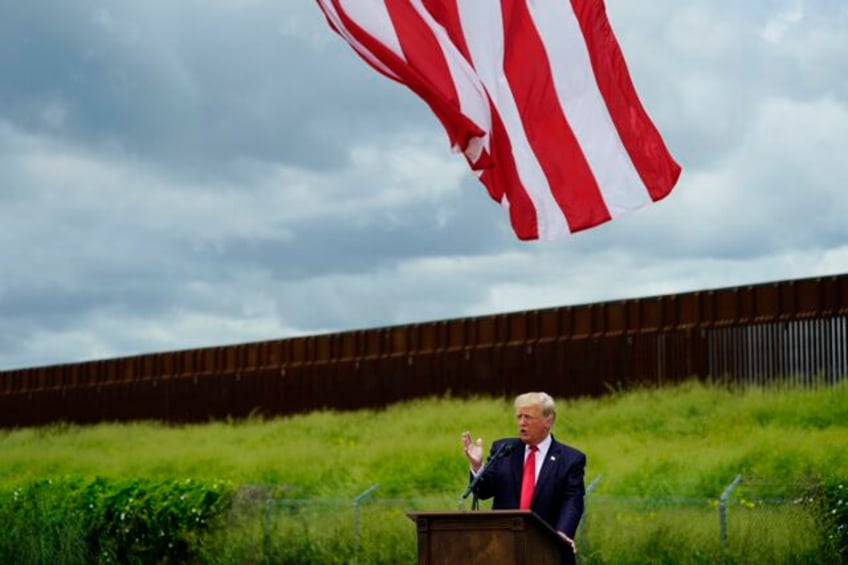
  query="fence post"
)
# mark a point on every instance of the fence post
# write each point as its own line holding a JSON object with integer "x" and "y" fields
{"x": 356, "y": 502}
{"x": 722, "y": 515}
{"x": 582, "y": 543}
{"x": 266, "y": 531}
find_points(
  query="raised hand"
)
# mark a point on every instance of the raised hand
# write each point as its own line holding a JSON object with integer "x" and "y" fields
{"x": 473, "y": 450}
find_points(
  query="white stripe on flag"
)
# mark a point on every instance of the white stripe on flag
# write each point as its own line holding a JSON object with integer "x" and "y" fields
{"x": 331, "y": 13}
{"x": 482, "y": 24}
{"x": 374, "y": 18}
{"x": 472, "y": 96}
{"x": 585, "y": 108}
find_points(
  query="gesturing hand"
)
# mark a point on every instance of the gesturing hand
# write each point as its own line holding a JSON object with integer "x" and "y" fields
{"x": 473, "y": 450}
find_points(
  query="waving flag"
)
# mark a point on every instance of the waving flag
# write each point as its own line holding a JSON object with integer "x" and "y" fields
{"x": 535, "y": 93}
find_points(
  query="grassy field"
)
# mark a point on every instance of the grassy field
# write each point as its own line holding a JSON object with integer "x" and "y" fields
{"x": 663, "y": 458}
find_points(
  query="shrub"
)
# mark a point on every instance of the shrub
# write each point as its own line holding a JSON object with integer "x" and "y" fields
{"x": 832, "y": 498}
{"x": 107, "y": 520}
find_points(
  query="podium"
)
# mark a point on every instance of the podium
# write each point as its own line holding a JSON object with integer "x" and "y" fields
{"x": 486, "y": 537}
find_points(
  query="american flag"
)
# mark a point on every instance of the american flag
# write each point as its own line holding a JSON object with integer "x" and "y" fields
{"x": 535, "y": 93}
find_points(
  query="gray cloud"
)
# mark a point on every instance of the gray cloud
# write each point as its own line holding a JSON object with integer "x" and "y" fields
{"x": 182, "y": 175}
{"x": 187, "y": 87}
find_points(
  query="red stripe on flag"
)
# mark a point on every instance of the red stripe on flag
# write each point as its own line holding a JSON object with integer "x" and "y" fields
{"x": 557, "y": 150}
{"x": 503, "y": 180}
{"x": 423, "y": 53}
{"x": 500, "y": 174}
{"x": 459, "y": 127}
{"x": 446, "y": 13}
{"x": 335, "y": 28}
{"x": 640, "y": 138}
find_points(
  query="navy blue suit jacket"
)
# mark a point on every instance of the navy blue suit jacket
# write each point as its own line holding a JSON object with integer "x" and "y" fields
{"x": 558, "y": 497}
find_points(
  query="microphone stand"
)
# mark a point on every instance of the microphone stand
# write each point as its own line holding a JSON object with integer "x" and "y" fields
{"x": 504, "y": 450}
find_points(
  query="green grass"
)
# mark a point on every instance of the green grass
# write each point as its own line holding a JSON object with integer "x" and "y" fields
{"x": 675, "y": 447}
{"x": 622, "y": 530}
{"x": 685, "y": 441}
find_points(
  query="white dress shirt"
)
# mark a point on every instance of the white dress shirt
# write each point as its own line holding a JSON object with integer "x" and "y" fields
{"x": 543, "y": 446}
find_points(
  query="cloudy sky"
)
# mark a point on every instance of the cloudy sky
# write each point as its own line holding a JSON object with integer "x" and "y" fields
{"x": 197, "y": 173}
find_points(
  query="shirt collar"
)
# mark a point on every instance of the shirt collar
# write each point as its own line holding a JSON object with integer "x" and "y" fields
{"x": 543, "y": 446}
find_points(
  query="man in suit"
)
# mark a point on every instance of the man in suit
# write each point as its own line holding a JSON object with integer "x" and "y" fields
{"x": 534, "y": 471}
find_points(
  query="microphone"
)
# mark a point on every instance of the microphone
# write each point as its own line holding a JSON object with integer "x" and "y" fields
{"x": 504, "y": 450}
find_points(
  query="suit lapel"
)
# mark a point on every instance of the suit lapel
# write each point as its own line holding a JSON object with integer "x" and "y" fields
{"x": 552, "y": 457}
{"x": 517, "y": 464}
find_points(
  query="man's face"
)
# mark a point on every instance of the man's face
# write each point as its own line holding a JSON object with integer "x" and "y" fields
{"x": 532, "y": 426}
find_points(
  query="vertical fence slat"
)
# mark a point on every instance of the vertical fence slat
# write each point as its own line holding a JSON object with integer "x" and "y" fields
{"x": 795, "y": 331}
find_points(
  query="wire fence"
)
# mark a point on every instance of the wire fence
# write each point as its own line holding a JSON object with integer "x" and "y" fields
{"x": 740, "y": 522}
{"x": 743, "y": 523}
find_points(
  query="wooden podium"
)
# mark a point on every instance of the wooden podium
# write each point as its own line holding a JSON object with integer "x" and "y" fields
{"x": 486, "y": 537}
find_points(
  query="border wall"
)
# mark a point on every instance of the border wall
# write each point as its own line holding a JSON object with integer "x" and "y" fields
{"x": 795, "y": 330}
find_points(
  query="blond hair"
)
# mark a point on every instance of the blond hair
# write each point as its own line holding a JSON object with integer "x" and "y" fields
{"x": 541, "y": 399}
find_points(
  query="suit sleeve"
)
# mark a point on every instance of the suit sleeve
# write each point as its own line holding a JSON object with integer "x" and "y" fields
{"x": 571, "y": 509}
{"x": 487, "y": 487}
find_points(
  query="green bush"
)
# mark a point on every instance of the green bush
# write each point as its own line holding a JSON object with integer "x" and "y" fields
{"x": 832, "y": 500}
{"x": 73, "y": 520}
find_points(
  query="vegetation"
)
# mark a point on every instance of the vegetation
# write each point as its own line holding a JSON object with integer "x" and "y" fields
{"x": 110, "y": 521}
{"x": 283, "y": 490}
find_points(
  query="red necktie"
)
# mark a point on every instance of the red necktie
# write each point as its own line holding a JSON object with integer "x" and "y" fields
{"x": 528, "y": 479}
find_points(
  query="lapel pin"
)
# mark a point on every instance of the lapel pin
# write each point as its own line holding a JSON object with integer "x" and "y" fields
{"x": 553, "y": 458}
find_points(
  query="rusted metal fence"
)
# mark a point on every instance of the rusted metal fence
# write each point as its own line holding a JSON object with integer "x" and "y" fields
{"x": 793, "y": 330}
